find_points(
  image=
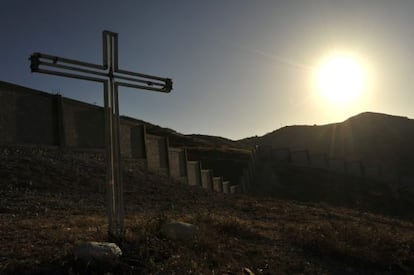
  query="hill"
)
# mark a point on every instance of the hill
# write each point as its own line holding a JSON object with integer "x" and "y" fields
{"x": 192, "y": 141}
{"x": 372, "y": 137}
{"x": 53, "y": 199}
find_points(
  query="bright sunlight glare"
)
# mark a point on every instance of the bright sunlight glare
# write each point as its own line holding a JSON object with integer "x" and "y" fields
{"x": 341, "y": 79}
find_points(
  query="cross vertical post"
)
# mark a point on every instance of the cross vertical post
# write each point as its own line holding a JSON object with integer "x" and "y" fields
{"x": 111, "y": 77}
{"x": 113, "y": 178}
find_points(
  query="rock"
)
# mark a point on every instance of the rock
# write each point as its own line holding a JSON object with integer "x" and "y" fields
{"x": 247, "y": 271}
{"x": 103, "y": 252}
{"x": 179, "y": 231}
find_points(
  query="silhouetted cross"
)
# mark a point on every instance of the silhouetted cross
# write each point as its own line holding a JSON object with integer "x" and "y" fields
{"x": 112, "y": 77}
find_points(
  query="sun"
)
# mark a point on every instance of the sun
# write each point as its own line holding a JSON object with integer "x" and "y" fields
{"x": 341, "y": 79}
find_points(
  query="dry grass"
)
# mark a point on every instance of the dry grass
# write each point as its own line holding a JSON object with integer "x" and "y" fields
{"x": 371, "y": 245}
{"x": 40, "y": 226}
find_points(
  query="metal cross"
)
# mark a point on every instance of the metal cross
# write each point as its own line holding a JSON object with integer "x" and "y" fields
{"x": 111, "y": 77}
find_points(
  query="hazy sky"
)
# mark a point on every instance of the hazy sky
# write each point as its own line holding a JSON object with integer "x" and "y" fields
{"x": 240, "y": 68}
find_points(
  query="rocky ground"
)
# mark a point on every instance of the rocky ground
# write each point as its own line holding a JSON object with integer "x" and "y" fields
{"x": 52, "y": 200}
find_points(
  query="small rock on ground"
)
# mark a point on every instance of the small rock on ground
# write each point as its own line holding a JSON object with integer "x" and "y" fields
{"x": 179, "y": 231}
{"x": 98, "y": 251}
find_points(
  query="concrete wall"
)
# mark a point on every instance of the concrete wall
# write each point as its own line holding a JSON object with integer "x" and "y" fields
{"x": 250, "y": 167}
{"x": 299, "y": 157}
{"x": 83, "y": 124}
{"x": 27, "y": 116}
{"x": 235, "y": 189}
{"x": 282, "y": 154}
{"x": 264, "y": 152}
{"x": 157, "y": 154}
{"x": 406, "y": 181}
{"x": 372, "y": 170}
{"x": 138, "y": 146}
{"x": 319, "y": 161}
{"x": 178, "y": 160}
{"x": 223, "y": 164}
{"x": 246, "y": 179}
{"x": 354, "y": 168}
{"x": 369, "y": 170}
{"x": 194, "y": 173}
{"x": 226, "y": 187}
{"x": 207, "y": 179}
{"x": 132, "y": 140}
{"x": 8, "y": 123}
{"x": 243, "y": 185}
{"x": 218, "y": 184}
{"x": 337, "y": 165}
{"x": 125, "y": 140}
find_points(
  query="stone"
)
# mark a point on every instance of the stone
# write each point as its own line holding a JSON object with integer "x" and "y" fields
{"x": 179, "y": 231}
{"x": 103, "y": 252}
{"x": 247, "y": 271}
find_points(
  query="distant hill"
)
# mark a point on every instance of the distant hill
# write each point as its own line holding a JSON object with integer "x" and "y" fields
{"x": 368, "y": 136}
{"x": 192, "y": 140}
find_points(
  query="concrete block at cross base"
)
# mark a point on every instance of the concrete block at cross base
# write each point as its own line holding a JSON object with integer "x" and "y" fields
{"x": 226, "y": 187}
{"x": 194, "y": 173}
{"x": 218, "y": 184}
{"x": 207, "y": 179}
{"x": 234, "y": 189}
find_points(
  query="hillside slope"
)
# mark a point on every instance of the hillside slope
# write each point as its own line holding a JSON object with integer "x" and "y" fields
{"x": 52, "y": 200}
{"x": 307, "y": 184}
{"x": 368, "y": 136}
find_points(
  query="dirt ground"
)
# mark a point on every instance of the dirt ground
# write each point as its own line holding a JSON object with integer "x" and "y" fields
{"x": 52, "y": 200}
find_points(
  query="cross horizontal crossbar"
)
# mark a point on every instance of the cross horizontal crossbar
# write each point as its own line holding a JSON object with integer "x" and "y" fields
{"x": 97, "y": 73}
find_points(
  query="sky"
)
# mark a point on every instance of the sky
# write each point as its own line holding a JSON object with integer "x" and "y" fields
{"x": 240, "y": 68}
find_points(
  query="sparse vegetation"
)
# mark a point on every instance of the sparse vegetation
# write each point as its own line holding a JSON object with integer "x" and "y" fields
{"x": 42, "y": 221}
